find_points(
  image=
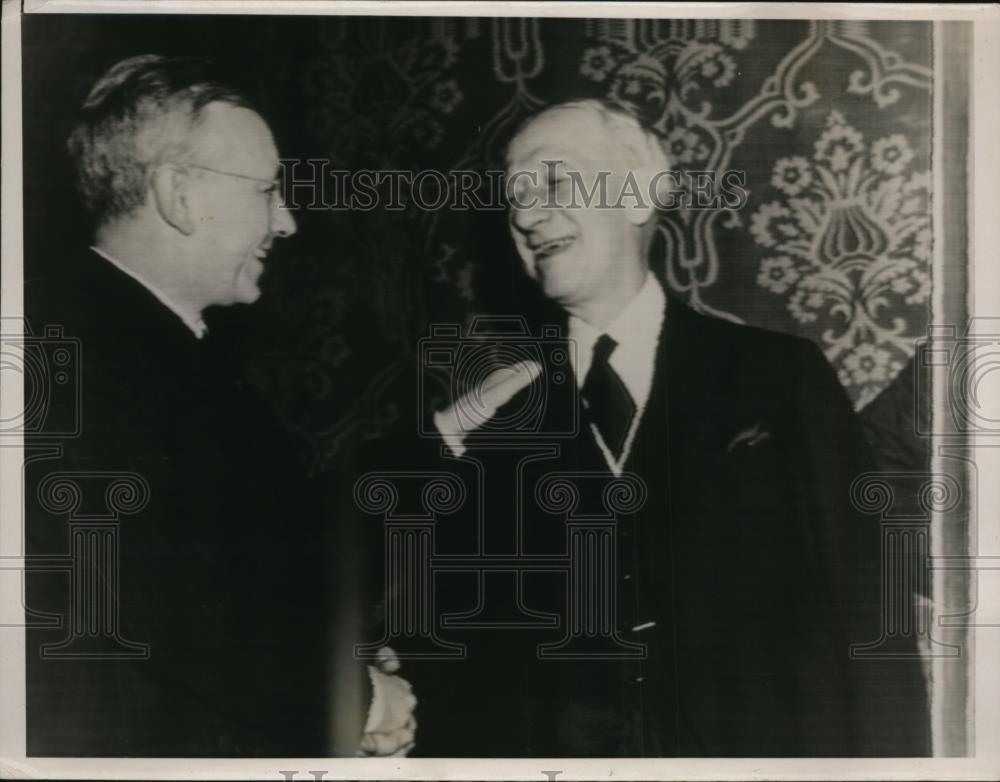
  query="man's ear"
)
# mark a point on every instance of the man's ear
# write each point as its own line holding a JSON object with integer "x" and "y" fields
{"x": 639, "y": 215}
{"x": 169, "y": 185}
{"x": 638, "y": 202}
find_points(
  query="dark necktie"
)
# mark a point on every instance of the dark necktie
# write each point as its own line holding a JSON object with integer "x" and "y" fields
{"x": 608, "y": 403}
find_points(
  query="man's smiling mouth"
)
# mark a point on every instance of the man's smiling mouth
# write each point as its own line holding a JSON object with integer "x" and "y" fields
{"x": 551, "y": 247}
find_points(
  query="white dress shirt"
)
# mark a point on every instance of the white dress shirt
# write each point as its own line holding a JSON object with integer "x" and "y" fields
{"x": 636, "y": 330}
{"x": 191, "y": 319}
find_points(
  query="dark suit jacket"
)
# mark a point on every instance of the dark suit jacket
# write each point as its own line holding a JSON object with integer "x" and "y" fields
{"x": 747, "y": 555}
{"x": 220, "y": 572}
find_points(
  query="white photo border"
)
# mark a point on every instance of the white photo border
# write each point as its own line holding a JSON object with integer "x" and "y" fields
{"x": 982, "y": 301}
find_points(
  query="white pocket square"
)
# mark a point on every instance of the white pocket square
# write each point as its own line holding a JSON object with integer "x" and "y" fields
{"x": 751, "y": 436}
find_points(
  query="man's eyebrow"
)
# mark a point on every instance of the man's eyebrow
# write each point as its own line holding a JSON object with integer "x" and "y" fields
{"x": 536, "y": 152}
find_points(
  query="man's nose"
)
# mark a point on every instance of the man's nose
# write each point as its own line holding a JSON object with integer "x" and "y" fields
{"x": 282, "y": 221}
{"x": 525, "y": 218}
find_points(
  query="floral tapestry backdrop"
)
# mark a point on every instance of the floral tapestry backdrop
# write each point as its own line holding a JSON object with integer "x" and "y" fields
{"x": 829, "y": 120}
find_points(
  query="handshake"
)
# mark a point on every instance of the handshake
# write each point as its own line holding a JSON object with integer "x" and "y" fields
{"x": 390, "y": 728}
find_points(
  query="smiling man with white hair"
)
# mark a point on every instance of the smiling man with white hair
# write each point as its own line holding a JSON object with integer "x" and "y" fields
{"x": 589, "y": 260}
{"x": 733, "y": 595}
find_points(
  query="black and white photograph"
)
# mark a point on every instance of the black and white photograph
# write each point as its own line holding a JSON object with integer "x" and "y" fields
{"x": 499, "y": 391}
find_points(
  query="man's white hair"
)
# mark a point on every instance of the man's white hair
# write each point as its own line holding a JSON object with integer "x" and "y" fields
{"x": 640, "y": 147}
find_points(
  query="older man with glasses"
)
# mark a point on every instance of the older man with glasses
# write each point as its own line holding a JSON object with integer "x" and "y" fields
{"x": 223, "y": 576}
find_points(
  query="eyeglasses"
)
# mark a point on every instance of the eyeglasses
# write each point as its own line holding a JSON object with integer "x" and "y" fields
{"x": 274, "y": 185}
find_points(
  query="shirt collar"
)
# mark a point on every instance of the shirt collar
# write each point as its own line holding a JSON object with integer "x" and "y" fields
{"x": 191, "y": 319}
{"x": 636, "y": 330}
